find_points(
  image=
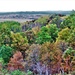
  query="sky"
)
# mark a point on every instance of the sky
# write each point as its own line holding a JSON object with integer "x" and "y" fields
{"x": 36, "y": 5}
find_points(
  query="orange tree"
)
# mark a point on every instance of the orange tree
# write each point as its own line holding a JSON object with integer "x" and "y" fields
{"x": 15, "y": 62}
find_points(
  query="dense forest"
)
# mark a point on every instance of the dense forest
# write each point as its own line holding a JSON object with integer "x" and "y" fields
{"x": 45, "y": 46}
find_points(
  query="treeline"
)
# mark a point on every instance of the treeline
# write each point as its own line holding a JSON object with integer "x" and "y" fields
{"x": 37, "y": 12}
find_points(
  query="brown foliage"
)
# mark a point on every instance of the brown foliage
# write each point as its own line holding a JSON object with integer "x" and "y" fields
{"x": 16, "y": 62}
{"x": 51, "y": 55}
{"x": 30, "y": 36}
{"x": 62, "y": 45}
{"x": 72, "y": 45}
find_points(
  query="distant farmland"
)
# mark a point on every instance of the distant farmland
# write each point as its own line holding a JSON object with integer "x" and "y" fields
{"x": 17, "y": 20}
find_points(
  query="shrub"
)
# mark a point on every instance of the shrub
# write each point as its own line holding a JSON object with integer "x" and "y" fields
{"x": 4, "y": 72}
{"x": 29, "y": 73}
{"x": 1, "y": 63}
{"x": 1, "y": 60}
{"x": 17, "y": 72}
{"x": 73, "y": 73}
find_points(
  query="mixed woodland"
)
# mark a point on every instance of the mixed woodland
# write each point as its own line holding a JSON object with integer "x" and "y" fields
{"x": 45, "y": 46}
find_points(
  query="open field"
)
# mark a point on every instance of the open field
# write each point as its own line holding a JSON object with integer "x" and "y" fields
{"x": 17, "y": 20}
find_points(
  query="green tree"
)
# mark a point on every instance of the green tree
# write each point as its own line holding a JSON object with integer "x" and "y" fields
{"x": 12, "y": 25}
{"x": 4, "y": 35}
{"x": 69, "y": 52}
{"x": 6, "y": 52}
{"x": 5, "y": 31}
{"x": 43, "y": 36}
{"x": 17, "y": 72}
{"x": 47, "y": 33}
{"x": 69, "y": 21}
{"x": 53, "y": 31}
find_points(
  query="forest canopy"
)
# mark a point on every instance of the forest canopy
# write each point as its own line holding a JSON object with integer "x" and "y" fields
{"x": 44, "y": 46}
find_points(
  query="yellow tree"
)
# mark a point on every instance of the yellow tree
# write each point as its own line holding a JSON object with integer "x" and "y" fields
{"x": 64, "y": 34}
{"x": 19, "y": 42}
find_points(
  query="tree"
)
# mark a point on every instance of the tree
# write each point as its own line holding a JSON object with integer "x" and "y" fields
{"x": 57, "y": 20}
{"x": 69, "y": 58}
{"x": 4, "y": 35}
{"x": 15, "y": 62}
{"x": 62, "y": 45}
{"x": 17, "y": 72}
{"x": 35, "y": 30}
{"x": 72, "y": 36}
{"x": 12, "y": 25}
{"x": 69, "y": 21}
{"x": 30, "y": 36}
{"x": 33, "y": 53}
{"x": 51, "y": 56}
{"x": 43, "y": 36}
{"x": 47, "y": 33}
{"x": 64, "y": 34}
{"x": 18, "y": 40}
{"x": 5, "y": 31}
{"x": 53, "y": 31}
{"x": 6, "y": 52}
{"x": 42, "y": 20}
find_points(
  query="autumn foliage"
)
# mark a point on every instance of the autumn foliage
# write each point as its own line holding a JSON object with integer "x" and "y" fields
{"x": 16, "y": 62}
{"x": 45, "y": 46}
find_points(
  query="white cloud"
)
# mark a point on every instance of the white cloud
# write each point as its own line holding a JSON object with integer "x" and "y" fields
{"x": 36, "y": 5}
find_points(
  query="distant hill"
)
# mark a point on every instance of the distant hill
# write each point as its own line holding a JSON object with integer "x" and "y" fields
{"x": 37, "y": 12}
{"x": 28, "y": 15}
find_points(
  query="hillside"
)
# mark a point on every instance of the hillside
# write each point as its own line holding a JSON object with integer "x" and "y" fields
{"x": 42, "y": 46}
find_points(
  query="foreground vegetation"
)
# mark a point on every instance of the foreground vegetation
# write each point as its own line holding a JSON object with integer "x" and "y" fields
{"x": 40, "y": 47}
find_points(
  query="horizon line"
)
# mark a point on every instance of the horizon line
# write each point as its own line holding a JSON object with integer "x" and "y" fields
{"x": 37, "y": 11}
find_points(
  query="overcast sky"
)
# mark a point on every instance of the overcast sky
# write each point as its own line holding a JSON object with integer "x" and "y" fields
{"x": 36, "y": 5}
